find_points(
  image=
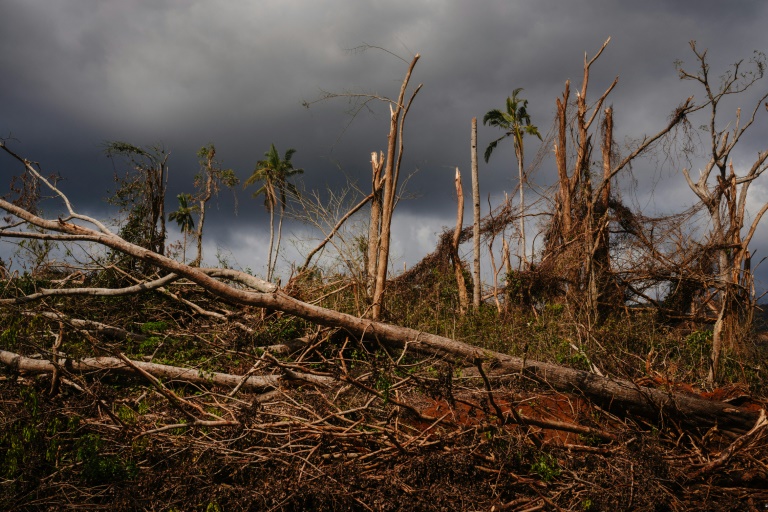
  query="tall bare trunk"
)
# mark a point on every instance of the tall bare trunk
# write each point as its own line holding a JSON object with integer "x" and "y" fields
{"x": 600, "y": 253}
{"x": 476, "y": 287}
{"x": 279, "y": 236}
{"x": 562, "y": 170}
{"x": 391, "y": 174}
{"x": 203, "y": 201}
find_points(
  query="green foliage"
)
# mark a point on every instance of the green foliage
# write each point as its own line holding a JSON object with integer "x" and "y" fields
{"x": 8, "y": 337}
{"x": 699, "y": 341}
{"x": 149, "y": 345}
{"x": 279, "y": 330}
{"x": 531, "y": 287}
{"x": 213, "y": 507}
{"x": 226, "y": 177}
{"x": 546, "y": 466}
{"x": 34, "y": 441}
{"x": 568, "y": 355}
{"x": 99, "y": 468}
{"x": 273, "y": 172}
{"x": 140, "y": 194}
{"x": 154, "y": 327}
{"x": 183, "y": 216}
{"x": 514, "y": 120}
{"x": 37, "y": 253}
{"x": 125, "y": 414}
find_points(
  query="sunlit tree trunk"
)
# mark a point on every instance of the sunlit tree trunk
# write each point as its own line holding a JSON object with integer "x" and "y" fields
{"x": 374, "y": 225}
{"x": 391, "y": 175}
{"x": 476, "y": 288}
{"x": 457, "y": 267}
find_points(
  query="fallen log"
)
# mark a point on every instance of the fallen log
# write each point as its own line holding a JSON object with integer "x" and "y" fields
{"x": 616, "y": 395}
{"x": 29, "y": 365}
{"x": 89, "y": 325}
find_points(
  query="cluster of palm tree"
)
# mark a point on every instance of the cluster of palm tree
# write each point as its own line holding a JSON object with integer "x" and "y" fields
{"x": 273, "y": 173}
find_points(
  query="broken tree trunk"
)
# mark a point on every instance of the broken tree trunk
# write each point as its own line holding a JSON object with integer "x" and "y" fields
{"x": 33, "y": 366}
{"x": 391, "y": 178}
{"x": 458, "y": 270}
{"x": 374, "y": 226}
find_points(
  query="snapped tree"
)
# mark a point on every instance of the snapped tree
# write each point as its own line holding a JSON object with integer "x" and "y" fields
{"x": 140, "y": 193}
{"x": 73, "y": 227}
{"x": 208, "y": 182}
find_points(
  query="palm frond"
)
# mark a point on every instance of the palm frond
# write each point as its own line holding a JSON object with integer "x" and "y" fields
{"x": 492, "y": 146}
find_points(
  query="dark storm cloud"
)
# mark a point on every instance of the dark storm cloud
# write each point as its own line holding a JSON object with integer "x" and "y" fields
{"x": 187, "y": 73}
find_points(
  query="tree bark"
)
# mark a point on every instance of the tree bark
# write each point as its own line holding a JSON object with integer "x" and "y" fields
{"x": 271, "y": 241}
{"x": 374, "y": 225}
{"x": 391, "y": 174}
{"x": 279, "y": 236}
{"x": 521, "y": 177}
{"x": 203, "y": 201}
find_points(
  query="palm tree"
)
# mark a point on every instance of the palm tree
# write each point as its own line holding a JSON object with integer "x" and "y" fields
{"x": 273, "y": 173}
{"x": 516, "y": 122}
{"x": 183, "y": 217}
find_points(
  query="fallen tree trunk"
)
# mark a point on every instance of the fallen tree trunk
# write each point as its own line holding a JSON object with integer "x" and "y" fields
{"x": 23, "y": 364}
{"x": 89, "y": 325}
{"x": 617, "y": 395}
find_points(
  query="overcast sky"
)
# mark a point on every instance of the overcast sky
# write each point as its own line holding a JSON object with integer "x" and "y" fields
{"x": 184, "y": 73}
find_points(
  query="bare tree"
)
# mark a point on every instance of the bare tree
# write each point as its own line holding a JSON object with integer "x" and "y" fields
{"x": 374, "y": 224}
{"x": 724, "y": 191}
{"x": 577, "y": 239}
{"x": 386, "y": 174}
{"x": 397, "y": 111}
{"x": 476, "y": 295}
{"x": 141, "y": 193}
